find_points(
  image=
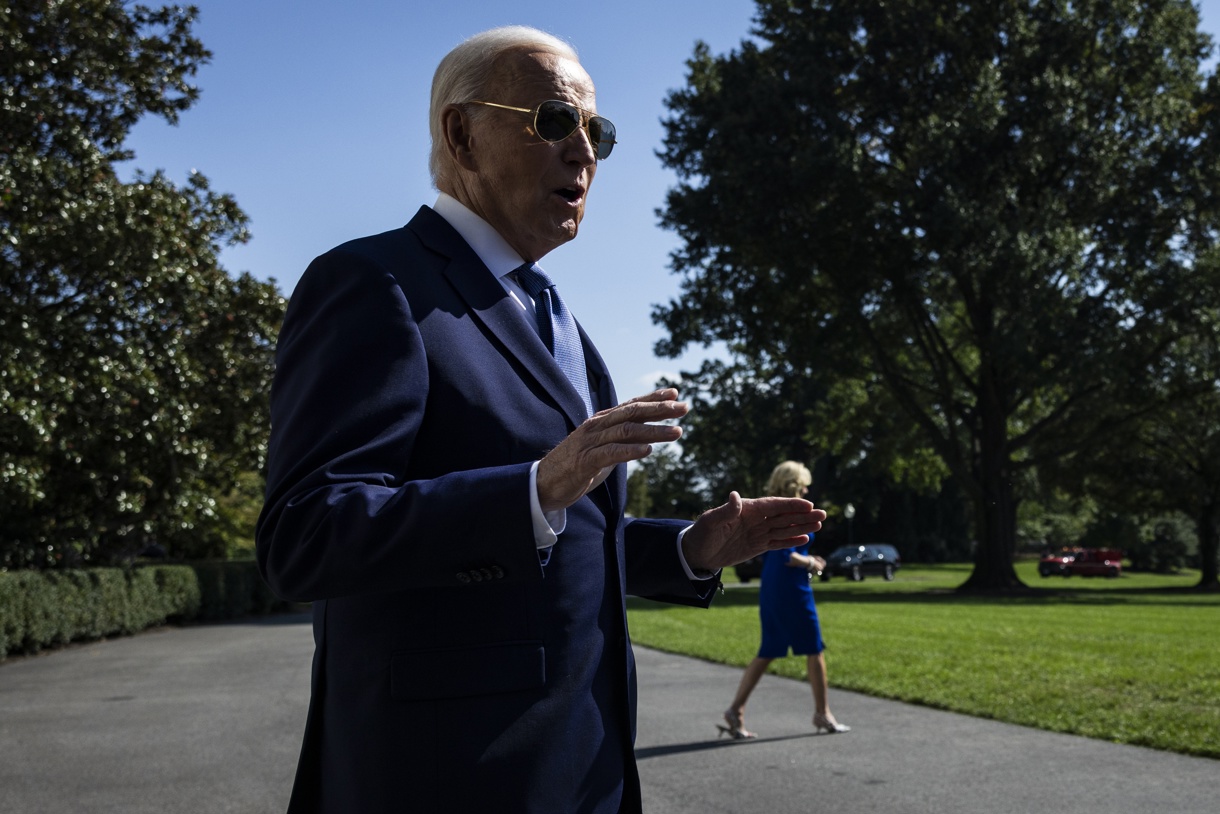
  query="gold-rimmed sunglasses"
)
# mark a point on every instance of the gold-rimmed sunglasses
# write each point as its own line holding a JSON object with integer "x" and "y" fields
{"x": 555, "y": 121}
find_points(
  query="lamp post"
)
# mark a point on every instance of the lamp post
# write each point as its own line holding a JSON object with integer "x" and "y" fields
{"x": 849, "y": 511}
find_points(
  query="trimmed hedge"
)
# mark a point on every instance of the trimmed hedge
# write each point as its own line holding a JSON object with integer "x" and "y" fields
{"x": 41, "y": 609}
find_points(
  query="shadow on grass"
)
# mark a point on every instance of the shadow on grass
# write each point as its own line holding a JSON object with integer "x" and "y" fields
{"x": 1189, "y": 596}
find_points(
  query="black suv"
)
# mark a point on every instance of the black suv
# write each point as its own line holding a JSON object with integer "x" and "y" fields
{"x": 855, "y": 561}
{"x": 750, "y": 569}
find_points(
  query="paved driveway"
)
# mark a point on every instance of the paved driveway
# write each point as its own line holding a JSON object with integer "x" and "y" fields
{"x": 208, "y": 719}
{"x": 898, "y": 758}
{"x": 189, "y": 720}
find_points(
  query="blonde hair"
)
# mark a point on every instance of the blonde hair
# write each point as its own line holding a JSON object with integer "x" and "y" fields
{"x": 788, "y": 479}
{"x": 466, "y": 72}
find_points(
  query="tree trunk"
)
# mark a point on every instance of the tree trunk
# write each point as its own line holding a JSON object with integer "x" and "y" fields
{"x": 993, "y": 555}
{"x": 996, "y": 513}
{"x": 1209, "y": 532}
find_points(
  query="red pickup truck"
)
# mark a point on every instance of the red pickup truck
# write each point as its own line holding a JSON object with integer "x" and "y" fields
{"x": 1083, "y": 562}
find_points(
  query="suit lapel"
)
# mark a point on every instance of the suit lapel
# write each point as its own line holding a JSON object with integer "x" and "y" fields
{"x": 492, "y": 306}
{"x": 602, "y": 388}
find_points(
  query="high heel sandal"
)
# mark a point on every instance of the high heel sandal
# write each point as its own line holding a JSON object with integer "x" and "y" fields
{"x": 828, "y": 723}
{"x": 734, "y": 729}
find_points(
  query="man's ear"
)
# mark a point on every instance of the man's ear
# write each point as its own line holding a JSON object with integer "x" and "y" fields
{"x": 459, "y": 141}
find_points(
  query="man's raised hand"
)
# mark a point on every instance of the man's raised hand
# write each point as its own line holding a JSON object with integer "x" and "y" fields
{"x": 744, "y": 528}
{"x": 608, "y": 438}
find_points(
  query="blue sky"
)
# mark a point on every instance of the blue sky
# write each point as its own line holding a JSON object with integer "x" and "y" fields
{"x": 313, "y": 116}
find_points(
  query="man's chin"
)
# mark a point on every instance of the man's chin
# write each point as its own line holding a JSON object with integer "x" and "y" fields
{"x": 563, "y": 233}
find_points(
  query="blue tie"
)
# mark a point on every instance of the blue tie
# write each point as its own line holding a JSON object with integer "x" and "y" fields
{"x": 557, "y": 329}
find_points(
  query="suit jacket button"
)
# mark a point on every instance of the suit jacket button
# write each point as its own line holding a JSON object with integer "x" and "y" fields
{"x": 497, "y": 572}
{"x": 463, "y": 577}
{"x": 475, "y": 575}
{"x": 486, "y": 572}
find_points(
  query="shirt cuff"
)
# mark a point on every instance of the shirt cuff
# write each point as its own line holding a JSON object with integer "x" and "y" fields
{"x": 547, "y": 525}
{"x": 698, "y": 576}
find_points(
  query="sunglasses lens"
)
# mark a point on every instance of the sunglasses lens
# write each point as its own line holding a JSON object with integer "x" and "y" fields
{"x": 601, "y": 133}
{"x": 556, "y": 121}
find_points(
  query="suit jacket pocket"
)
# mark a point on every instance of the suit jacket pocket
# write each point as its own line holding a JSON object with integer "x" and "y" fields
{"x": 460, "y": 672}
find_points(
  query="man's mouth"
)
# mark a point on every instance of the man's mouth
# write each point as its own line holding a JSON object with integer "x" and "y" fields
{"x": 569, "y": 194}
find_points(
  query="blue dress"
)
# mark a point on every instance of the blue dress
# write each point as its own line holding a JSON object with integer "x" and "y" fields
{"x": 785, "y": 607}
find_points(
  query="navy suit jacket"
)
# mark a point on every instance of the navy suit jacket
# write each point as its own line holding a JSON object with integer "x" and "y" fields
{"x": 457, "y": 668}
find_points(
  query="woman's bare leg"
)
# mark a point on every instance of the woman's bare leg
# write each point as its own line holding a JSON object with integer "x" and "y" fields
{"x": 822, "y": 719}
{"x": 816, "y": 664}
{"x": 735, "y": 714}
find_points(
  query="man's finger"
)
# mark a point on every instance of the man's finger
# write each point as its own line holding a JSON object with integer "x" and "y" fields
{"x": 633, "y": 433}
{"x": 663, "y": 394}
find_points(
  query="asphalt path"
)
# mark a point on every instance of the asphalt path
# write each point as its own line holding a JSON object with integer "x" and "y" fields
{"x": 208, "y": 718}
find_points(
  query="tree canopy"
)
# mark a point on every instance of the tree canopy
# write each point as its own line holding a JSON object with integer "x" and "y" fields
{"x": 133, "y": 367}
{"x": 987, "y": 217}
{"x": 1171, "y": 459}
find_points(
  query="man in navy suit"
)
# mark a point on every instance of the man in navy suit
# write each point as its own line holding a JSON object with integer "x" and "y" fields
{"x": 439, "y": 491}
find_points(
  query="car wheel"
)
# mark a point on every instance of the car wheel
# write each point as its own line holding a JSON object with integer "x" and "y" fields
{"x": 1113, "y": 572}
{"x": 889, "y": 572}
{"x": 856, "y": 576}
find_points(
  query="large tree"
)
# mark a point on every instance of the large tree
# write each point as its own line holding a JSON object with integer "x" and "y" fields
{"x": 663, "y": 486}
{"x": 748, "y": 416}
{"x": 1170, "y": 460}
{"x": 133, "y": 368}
{"x": 990, "y": 210}
{"x": 744, "y": 421}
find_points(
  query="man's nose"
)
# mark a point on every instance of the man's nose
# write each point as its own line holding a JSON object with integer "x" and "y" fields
{"x": 579, "y": 147}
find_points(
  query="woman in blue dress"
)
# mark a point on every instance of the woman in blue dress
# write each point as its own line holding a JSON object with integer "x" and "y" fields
{"x": 788, "y": 615}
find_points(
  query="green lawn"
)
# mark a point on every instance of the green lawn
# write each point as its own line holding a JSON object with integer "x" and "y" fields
{"x": 1132, "y": 660}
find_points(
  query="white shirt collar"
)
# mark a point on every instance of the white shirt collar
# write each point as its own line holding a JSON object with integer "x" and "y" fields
{"x": 487, "y": 243}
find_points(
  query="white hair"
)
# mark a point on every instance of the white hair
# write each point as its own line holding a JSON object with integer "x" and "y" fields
{"x": 466, "y": 72}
